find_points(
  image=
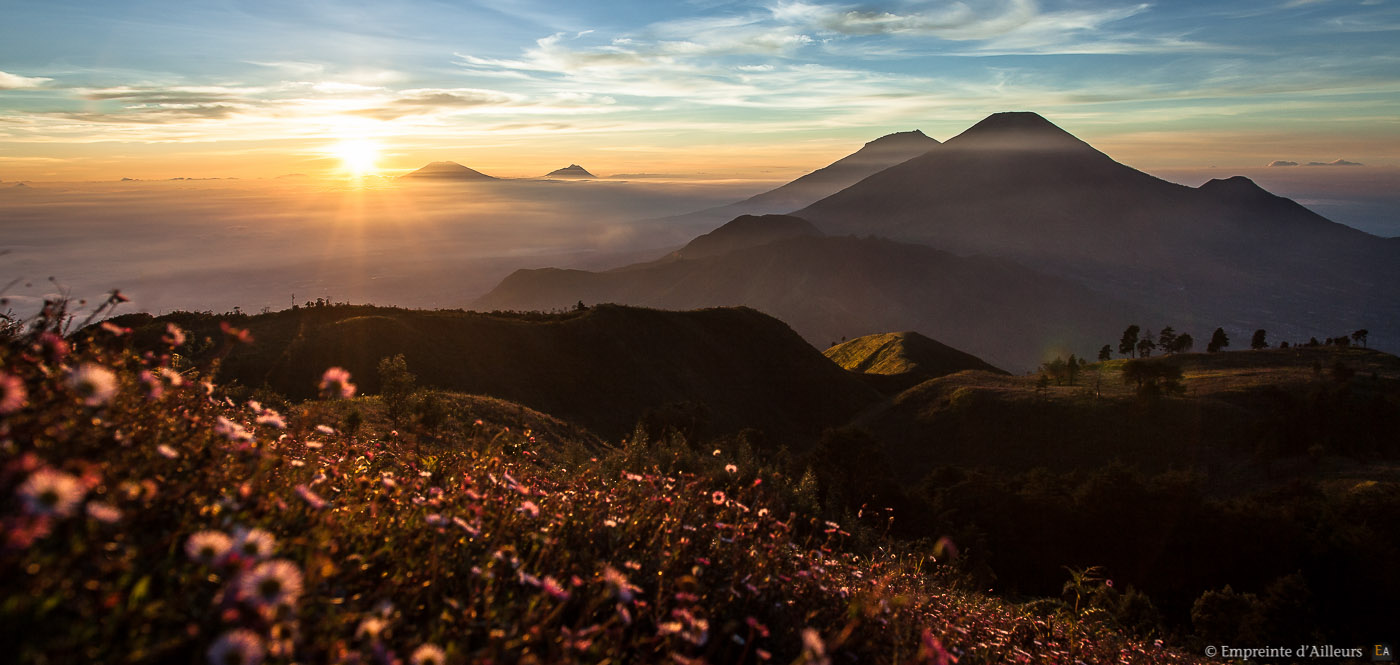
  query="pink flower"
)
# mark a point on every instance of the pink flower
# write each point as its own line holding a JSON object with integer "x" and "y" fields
{"x": 311, "y": 497}
{"x": 717, "y": 498}
{"x": 529, "y": 508}
{"x": 428, "y": 654}
{"x": 552, "y": 587}
{"x": 173, "y": 336}
{"x": 53, "y": 347}
{"x": 335, "y": 382}
{"x": 208, "y": 547}
{"x": 272, "y": 584}
{"x": 94, "y": 383}
{"x": 240, "y": 647}
{"x": 51, "y": 492}
{"x": 12, "y": 393}
{"x": 105, "y": 513}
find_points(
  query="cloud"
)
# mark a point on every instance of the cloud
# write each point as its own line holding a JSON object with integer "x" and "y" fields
{"x": 1282, "y": 162}
{"x": 1335, "y": 162}
{"x": 170, "y": 95}
{"x": 16, "y": 82}
{"x": 426, "y": 101}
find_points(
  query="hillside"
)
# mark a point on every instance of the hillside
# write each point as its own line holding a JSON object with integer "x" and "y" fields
{"x": 1016, "y": 186}
{"x": 893, "y": 362}
{"x": 828, "y": 288}
{"x": 746, "y": 231}
{"x": 572, "y": 171}
{"x": 713, "y": 371}
{"x": 182, "y": 526}
{"x": 1243, "y": 417}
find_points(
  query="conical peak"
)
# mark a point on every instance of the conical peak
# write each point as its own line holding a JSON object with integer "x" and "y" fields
{"x": 1022, "y": 130}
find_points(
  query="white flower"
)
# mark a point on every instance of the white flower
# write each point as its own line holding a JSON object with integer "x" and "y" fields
{"x": 94, "y": 383}
{"x": 104, "y": 512}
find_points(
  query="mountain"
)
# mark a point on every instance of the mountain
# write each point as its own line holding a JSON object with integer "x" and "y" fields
{"x": 1228, "y": 253}
{"x": 893, "y": 362}
{"x": 828, "y": 288}
{"x": 747, "y": 231}
{"x": 570, "y": 171}
{"x": 448, "y": 171}
{"x": 872, "y": 158}
{"x": 713, "y": 371}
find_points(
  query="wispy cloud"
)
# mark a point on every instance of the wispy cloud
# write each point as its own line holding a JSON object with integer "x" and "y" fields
{"x": 16, "y": 82}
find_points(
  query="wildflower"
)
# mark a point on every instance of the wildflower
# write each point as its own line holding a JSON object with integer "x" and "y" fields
{"x": 115, "y": 329}
{"x": 173, "y": 336}
{"x": 371, "y": 627}
{"x": 94, "y": 383}
{"x": 335, "y": 382}
{"x": 813, "y": 648}
{"x": 104, "y": 512}
{"x": 253, "y": 543}
{"x": 272, "y": 418}
{"x": 53, "y": 347}
{"x": 731, "y": 468}
{"x": 326, "y": 429}
{"x": 239, "y": 647}
{"x": 167, "y": 452}
{"x": 717, "y": 498}
{"x": 311, "y": 497}
{"x": 236, "y": 335}
{"x": 51, "y": 492}
{"x": 172, "y": 377}
{"x": 428, "y": 654}
{"x": 208, "y": 547}
{"x": 551, "y": 586}
{"x": 272, "y": 583}
{"x": 621, "y": 586}
{"x": 12, "y": 393}
{"x": 232, "y": 431}
{"x": 529, "y": 508}
{"x": 717, "y": 452}
{"x": 154, "y": 388}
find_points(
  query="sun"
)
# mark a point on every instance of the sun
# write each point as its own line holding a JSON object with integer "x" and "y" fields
{"x": 357, "y": 156}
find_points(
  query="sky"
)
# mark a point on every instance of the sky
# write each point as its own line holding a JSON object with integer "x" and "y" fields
{"x": 704, "y": 88}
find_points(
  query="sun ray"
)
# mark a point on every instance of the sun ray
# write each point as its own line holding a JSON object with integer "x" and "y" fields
{"x": 357, "y": 156}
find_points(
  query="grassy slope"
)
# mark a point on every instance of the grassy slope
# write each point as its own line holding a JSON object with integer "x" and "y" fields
{"x": 604, "y": 368}
{"x": 1239, "y": 407}
{"x": 893, "y": 362}
{"x": 485, "y": 543}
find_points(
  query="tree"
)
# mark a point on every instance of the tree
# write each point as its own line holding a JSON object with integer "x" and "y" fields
{"x": 1106, "y": 353}
{"x": 1153, "y": 379}
{"x": 1166, "y": 339}
{"x": 396, "y": 384}
{"x": 1218, "y": 341}
{"x": 1072, "y": 368}
{"x": 1145, "y": 347}
{"x": 1360, "y": 337}
{"x": 1056, "y": 370}
{"x": 1183, "y": 343}
{"x": 1128, "y": 344}
{"x": 1259, "y": 341}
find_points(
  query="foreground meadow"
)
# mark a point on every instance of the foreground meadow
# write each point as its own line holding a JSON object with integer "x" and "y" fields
{"x": 148, "y": 516}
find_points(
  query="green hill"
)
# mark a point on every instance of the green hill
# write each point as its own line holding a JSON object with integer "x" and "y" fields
{"x": 709, "y": 371}
{"x": 897, "y": 361}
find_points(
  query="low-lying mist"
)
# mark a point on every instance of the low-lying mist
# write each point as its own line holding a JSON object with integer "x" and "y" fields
{"x": 216, "y": 245}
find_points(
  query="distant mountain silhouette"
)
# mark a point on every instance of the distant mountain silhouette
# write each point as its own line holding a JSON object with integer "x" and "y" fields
{"x": 747, "y": 231}
{"x": 570, "y": 171}
{"x": 872, "y": 158}
{"x": 827, "y": 288}
{"x": 448, "y": 171}
{"x": 894, "y": 362}
{"x": 1228, "y": 253}
{"x": 604, "y": 368}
